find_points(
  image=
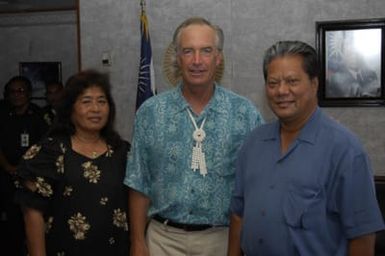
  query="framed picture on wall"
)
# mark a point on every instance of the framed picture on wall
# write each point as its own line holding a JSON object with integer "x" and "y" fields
{"x": 40, "y": 73}
{"x": 352, "y": 62}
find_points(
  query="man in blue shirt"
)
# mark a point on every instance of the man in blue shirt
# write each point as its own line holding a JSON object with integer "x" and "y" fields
{"x": 304, "y": 185}
{"x": 182, "y": 165}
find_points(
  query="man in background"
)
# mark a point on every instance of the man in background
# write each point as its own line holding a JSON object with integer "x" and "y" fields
{"x": 53, "y": 93}
{"x": 21, "y": 125}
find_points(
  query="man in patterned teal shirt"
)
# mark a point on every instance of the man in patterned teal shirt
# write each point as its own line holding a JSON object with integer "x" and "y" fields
{"x": 181, "y": 169}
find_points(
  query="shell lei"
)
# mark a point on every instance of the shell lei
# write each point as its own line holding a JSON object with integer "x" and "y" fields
{"x": 198, "y": 158}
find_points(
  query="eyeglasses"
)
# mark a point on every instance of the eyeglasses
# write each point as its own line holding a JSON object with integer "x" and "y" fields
{"x": 17, "y": 91}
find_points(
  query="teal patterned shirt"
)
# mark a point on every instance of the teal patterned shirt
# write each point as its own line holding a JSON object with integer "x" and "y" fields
{"x": 159, "y": 164}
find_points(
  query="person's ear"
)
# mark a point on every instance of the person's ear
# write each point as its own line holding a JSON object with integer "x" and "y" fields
{"x": 315, "y": 84}
{"x": 219, "y": 58}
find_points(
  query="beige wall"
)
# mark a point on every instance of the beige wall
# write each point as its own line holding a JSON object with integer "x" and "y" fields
{"x": 250, "y": 26}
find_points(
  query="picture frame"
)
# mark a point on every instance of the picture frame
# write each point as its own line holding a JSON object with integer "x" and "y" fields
{"x": 41, "y": 73}
{"x": 351, "y": 57}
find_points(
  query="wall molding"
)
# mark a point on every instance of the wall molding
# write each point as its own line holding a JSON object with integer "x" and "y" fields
{"x": 38, "y": 19}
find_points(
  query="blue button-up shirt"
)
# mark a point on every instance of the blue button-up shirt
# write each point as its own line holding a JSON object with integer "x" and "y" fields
{"x": 159, "y": 164}
{"x": 309, "y": 200}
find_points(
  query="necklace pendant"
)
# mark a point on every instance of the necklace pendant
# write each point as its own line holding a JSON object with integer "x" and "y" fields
{"x": 195, "y": 158}
{"x": 199, "y": 135}
{"x": 202, "y": 165}
{"x": 198, "y": 159}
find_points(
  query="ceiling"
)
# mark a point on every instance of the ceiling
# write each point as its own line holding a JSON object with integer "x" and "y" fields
{"x": 9, "y": 6}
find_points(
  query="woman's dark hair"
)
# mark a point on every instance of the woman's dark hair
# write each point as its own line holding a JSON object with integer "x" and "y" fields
{"x": 74, "y": 87}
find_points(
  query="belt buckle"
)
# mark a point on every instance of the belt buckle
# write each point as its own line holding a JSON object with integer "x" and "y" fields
{"x": 183, "y": 226}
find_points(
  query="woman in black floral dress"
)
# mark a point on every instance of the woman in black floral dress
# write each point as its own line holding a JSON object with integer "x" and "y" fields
{"x": 71, "y": 183}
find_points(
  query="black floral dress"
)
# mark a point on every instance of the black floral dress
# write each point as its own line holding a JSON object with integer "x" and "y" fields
{"x": 83, "y": 200}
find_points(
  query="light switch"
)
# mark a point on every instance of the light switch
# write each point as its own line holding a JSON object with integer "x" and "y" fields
{"x": 107, "y": 59}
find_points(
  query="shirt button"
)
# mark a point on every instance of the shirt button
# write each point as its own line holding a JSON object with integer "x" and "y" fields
{"x": 271, "y": 186}
{"x": 260, "y": 241}
{"x": 263, "y": 212}
{"x": 192, "y": 191}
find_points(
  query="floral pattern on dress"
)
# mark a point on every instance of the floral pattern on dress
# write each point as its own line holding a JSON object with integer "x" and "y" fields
{"x": 48, "y": 224}
{"x": 109, "y": 151}
{"x": 43, "y": 188}
{"x": 67, "y": 191}
{"x": 120, "y": 219}
{"x": 17, "y": 184}
{"x": 31, "y": 152}
{"x": 62, "y": 148}
{"x": 79, "y": 226}
{"x": 60, "y": 164}
{"x": 47, "y": 119}
{"x": 91, "y": 172}
{"x": 72, "y": 198}
{"x": 103, "y": 200}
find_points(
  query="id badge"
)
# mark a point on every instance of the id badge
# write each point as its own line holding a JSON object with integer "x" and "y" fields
{"x": 24, "y": 140}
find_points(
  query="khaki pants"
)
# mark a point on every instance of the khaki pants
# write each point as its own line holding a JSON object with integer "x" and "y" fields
{"x": 163, "y": 240}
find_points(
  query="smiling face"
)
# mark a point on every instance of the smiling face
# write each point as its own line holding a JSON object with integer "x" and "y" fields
{"x": 292, "y": 95}
{"x": 198, "y": 56}
{"x": 90, "y": 111}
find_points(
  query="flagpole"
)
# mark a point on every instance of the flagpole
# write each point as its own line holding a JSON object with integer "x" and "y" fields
{"x": 146, "y": 78}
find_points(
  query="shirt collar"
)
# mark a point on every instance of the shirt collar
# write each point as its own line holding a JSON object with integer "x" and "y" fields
{"x": 308, "y": 132}
{"x": 217, "y": 102}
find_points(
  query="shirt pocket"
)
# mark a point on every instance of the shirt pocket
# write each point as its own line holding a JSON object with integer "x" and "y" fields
{"x": 224, "y": 155}
{"x": 302, "y": 207}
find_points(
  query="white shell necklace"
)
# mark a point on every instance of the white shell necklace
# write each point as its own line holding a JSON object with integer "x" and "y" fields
{"x": 198, "y": 158}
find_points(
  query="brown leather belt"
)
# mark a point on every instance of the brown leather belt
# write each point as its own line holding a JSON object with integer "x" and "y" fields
{"x": 185, "y": 227}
